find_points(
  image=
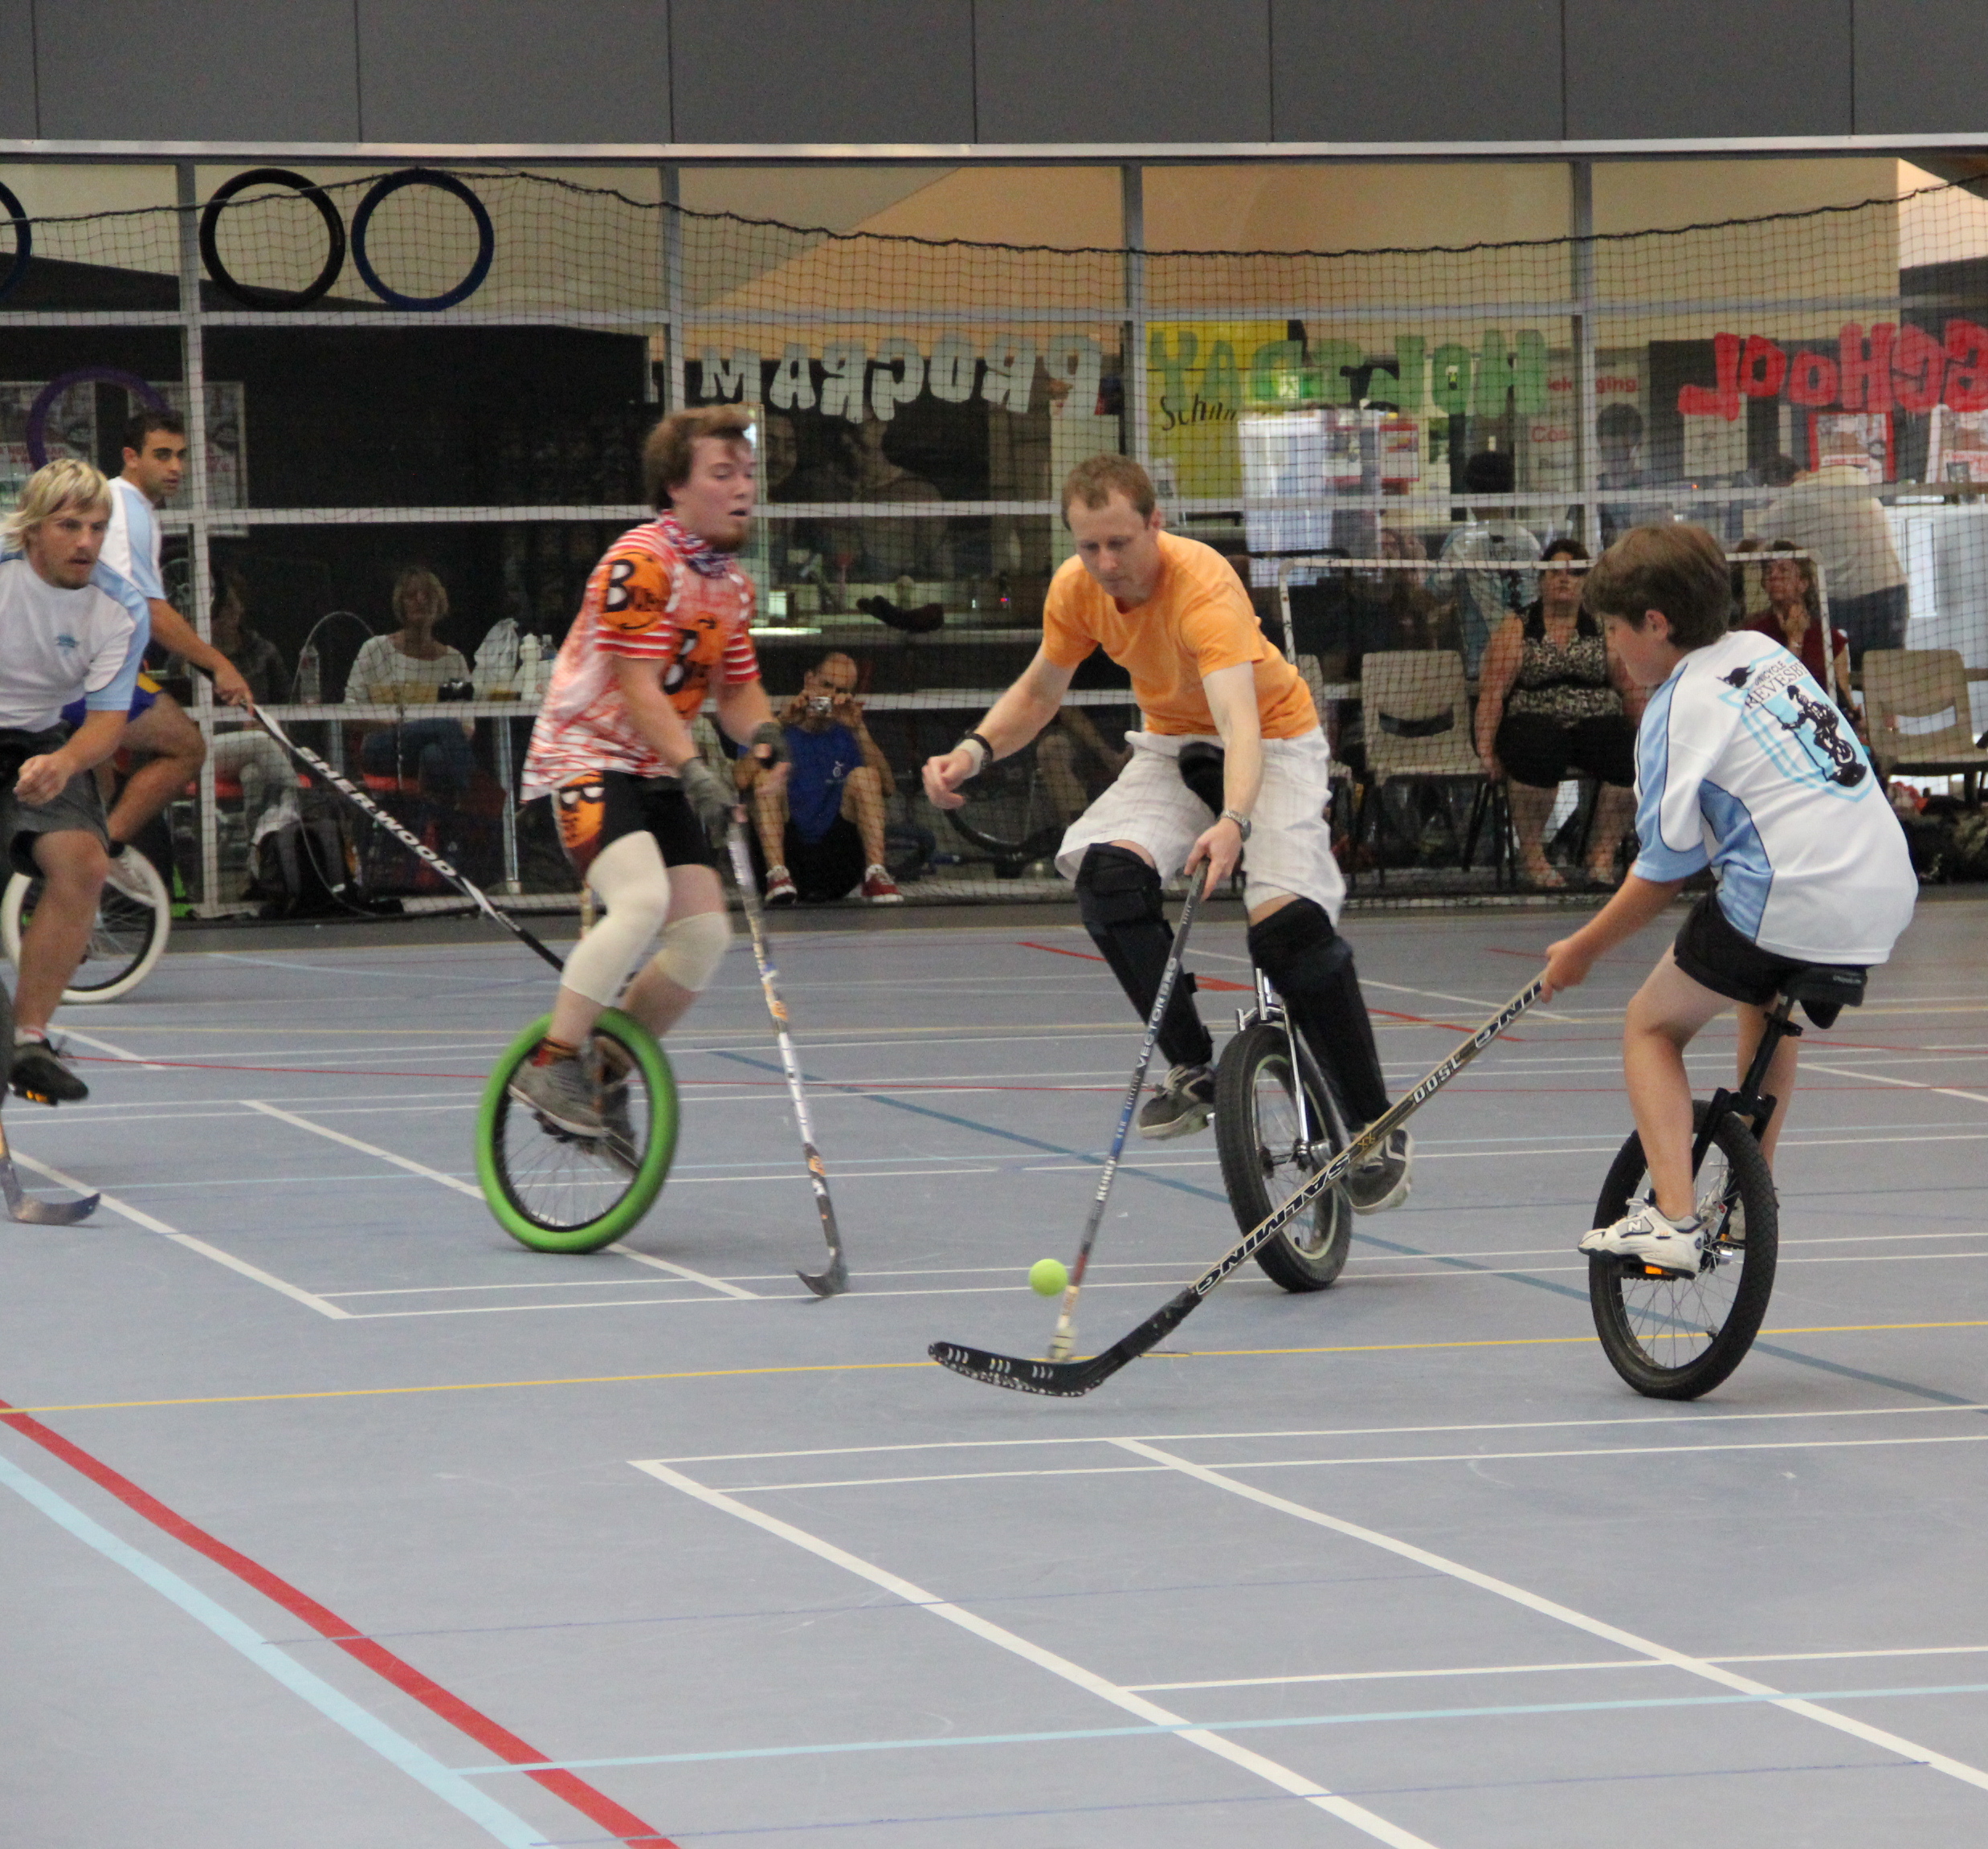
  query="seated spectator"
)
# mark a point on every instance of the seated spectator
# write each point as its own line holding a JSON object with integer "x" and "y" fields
{"x": 1552, "y": 699}
{"x": 1496, "y": 550}
{"x": 1794, "y": 618}
{"x": 405, "y": 668}
{"x": 246, "y": 753}
{"x": 823, "y": 835}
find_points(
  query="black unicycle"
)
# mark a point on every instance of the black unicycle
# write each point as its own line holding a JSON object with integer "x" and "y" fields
{"x": 1276, "y": 1125}
{"x": 1676, "y": 1337}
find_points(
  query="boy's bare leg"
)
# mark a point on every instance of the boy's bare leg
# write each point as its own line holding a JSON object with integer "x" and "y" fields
{"x": 1779, "y": 1084}
{"x": 164, "y": 728}
{"x": 1666, "y": 1014}
{"x": 862, "y": 802}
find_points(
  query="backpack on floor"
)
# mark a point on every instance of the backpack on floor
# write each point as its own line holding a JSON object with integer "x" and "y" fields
{"x": 299, "y": 866}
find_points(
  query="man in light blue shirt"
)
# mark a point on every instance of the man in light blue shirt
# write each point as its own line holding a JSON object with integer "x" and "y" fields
{"x": 70, "y": 628}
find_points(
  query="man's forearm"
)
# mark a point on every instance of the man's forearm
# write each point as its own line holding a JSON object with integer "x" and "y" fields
{"x": 1016, "y": 717}
{"x": 743, "y": 708}
{"x": 1243, "y": 771}
{"x": 93, "y": 741}
{"x": 174, "y": 633}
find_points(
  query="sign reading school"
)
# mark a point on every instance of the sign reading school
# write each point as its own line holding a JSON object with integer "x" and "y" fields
{"x": 1887, "y": 367}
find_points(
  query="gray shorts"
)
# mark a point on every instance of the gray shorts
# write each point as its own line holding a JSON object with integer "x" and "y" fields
{"x": 77, "y": 807}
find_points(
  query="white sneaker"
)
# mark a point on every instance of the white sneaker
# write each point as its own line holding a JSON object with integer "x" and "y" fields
{"x": 1643, "y": 1235}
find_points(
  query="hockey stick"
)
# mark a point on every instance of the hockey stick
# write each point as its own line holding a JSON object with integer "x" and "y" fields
{"x": 1068, "y": 1380}
{"x": 836, "y": 1278}
{"x": 364, "y": 804}
{"x": 1059, "y": 1343}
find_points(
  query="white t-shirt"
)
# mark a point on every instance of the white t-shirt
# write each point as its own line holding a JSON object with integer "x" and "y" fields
{"x": 131, "y": 542}
{"x": 1743, "y": 765}
{"x": 56, "y": 646}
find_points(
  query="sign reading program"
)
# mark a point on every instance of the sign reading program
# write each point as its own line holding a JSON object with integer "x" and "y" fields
{"x": 1887, "y": 367}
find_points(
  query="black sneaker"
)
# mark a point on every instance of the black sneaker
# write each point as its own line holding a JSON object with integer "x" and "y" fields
{"x": 1182, "y": 1106}
{"x": 40, "y": 1075}
{"x": 1381, "y": 1180}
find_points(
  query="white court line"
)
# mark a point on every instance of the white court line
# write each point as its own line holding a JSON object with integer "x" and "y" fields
{"x": 1693, "y": 1418}
{"x": 1282, "y": 1777}
{"x": 138, "y": 1217}
{"x": 476, "y": 1194}
{"x": 115, "y": 1052}
{"x": 1471, "y": 1457}
{"x": 1907, "y": 1084}
{"x": 1547, "y": 1669}
{"x": 1613, "y": 1634}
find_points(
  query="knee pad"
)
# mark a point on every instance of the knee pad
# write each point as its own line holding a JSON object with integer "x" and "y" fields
{"x": 1115, "y": 887}
{"x": 1311, "y": 966}
{"x": 692, "y": 949}
{"x": 1119, "y": 899}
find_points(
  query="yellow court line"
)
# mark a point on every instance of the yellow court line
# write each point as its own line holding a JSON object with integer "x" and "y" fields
{"x": 878, "y": 1367}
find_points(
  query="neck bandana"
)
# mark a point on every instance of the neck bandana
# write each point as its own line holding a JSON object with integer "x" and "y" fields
{"x": 699, "y": 554}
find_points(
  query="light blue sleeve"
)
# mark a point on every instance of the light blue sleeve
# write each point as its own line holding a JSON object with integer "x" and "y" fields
{"x": 115, "y": 695}
{"x": 144, "y": 542}
{"x": 1661, "y": 792}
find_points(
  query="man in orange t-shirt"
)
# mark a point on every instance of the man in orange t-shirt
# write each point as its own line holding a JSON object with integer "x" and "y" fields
{"x": 1173, "y": 614}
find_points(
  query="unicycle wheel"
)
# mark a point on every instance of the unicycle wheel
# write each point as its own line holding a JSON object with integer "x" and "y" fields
{"x": 556, "y": 1192}
{"x": 127, "y": 937}
{"x": 1676, "y": 1338}
{"x": 1259, "y": 1138}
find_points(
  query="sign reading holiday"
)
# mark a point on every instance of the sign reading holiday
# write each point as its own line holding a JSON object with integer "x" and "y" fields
{"x": 1885, "y": 367}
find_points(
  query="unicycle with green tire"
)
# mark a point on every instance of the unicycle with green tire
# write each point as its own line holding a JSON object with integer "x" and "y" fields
{"x": 556, "y": 1192}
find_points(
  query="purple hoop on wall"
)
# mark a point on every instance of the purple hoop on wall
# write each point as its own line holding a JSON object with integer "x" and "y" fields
{"x": 45, "y": 402}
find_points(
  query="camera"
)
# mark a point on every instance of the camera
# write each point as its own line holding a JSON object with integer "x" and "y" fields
{"x": 820, "y": 703}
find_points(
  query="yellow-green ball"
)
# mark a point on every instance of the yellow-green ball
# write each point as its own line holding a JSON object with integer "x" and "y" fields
{"x": 1048, "y": 1277}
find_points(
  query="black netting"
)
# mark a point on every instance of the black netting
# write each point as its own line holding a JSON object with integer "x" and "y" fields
{"x": 450, "y": 373}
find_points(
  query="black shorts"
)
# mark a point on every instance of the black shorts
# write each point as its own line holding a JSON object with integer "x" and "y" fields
{"x": 76, "y": 808}
{"x": 1712, "y": 953}
{"x": 594, "y": 812}
{"x": 1540, "y": 751}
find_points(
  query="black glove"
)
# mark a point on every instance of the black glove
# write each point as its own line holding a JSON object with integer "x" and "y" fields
{"x": 775, "y": 737}
{"x": 711, "y": 798}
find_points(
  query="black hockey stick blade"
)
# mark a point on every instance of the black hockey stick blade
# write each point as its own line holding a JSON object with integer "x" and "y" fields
{"x": 835, "y": 1279}
{"x": 1066, "y": 1380}
{"x": 830, "y": 1283}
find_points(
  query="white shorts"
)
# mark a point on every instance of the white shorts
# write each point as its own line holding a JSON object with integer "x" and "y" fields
{"x": 1290, "y": 847}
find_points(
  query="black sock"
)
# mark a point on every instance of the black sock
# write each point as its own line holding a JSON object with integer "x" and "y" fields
{"x": 1312, "y": 967}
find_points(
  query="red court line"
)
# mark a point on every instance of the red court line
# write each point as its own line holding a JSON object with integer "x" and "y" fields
{"x": 624, "y": 1826}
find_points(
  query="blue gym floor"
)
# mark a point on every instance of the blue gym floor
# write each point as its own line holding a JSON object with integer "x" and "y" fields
{"x": 334, "y": 1518}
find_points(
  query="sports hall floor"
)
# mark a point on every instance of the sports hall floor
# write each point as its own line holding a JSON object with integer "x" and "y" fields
{"x": 334, "y": 1518}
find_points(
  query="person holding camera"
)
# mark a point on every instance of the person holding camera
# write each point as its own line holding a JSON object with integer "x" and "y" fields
{"x": 409, "y": 667}
{"x": 821, "y": 831}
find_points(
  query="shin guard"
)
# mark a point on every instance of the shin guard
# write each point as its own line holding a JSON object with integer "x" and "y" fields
{"x": 1312, "y": 967}
{"x": 1119, "y": 899}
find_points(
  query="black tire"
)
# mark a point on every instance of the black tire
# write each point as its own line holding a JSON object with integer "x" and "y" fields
{"x": 1256, "y": 1135}
{"x": 1676, "y": 1338}
{"x": 1007, "y": 814}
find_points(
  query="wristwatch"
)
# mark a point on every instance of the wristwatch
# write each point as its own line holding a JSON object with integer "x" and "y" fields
{"x": 1242, "y": 822}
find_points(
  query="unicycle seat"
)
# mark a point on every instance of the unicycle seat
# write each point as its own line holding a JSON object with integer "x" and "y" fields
{"x": 1824, "y": 991}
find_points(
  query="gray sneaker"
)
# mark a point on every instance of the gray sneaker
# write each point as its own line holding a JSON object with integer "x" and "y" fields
{"x": 1382, "y": 1180}
{"x": 617, "y": 1141}
{"x": 561, "y": 1092}
{"x": 1180, "y": 1107}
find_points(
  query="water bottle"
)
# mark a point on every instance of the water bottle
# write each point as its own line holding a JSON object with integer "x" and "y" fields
{"x": 310, "y": 686}
{"x": 531, "y": 675}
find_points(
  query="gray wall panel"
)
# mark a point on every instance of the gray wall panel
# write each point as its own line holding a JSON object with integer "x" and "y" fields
{"x": 17, "y": 68}
{"x": 1099, "y": 71}
{"x": 519, "y": 71}
{"x": 1416, "y": 70}
{"x": 197, "y": 70}
{"x": 1922, "y": 67}
{"x": 822, "y": 69}
{"x": 1708, "y": 67}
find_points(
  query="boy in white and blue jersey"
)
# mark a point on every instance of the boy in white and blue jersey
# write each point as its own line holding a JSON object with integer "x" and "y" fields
{"x": 1746, "y": 766}
{"x": 70, "y": 628}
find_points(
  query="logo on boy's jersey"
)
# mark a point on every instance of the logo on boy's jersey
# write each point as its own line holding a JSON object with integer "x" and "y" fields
{"x": 1784, "y": 708}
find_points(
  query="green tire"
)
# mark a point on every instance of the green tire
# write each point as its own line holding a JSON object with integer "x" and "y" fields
{"x": 526, "y": 1210}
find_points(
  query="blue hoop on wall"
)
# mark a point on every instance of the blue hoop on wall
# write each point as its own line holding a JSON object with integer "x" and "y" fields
{"x": 486, "y": 238}
{"x": 23, "y": 241}
{"x": 45, "y": 402}
{"x": 249, "y": 295}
